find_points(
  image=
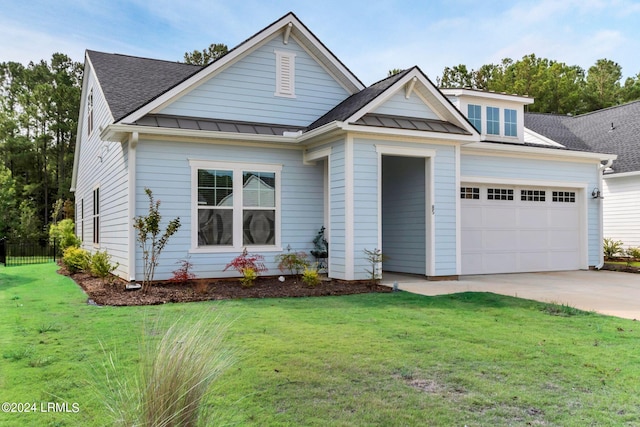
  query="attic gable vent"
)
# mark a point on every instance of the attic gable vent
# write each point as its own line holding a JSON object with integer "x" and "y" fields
{"x": 285, "y": 74}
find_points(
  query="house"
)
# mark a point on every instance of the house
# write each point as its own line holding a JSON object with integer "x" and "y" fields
{"x": 278, "y": 138}
{"x": 612, "y": 130}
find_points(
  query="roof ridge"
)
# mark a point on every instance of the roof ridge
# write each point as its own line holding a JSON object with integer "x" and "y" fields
{"x": 626, "y": 104}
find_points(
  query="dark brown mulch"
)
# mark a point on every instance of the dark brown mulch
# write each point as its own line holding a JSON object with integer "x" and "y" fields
{"x": 620, "y": 267}
{"x": 209, "y": 289}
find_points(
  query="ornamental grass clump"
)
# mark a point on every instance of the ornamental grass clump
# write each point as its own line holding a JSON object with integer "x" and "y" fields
{"x": 176, "y": 376}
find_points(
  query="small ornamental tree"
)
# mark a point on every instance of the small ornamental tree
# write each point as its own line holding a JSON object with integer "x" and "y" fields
{"x": 149, "y": 237}
{"x": 249, "y": 265}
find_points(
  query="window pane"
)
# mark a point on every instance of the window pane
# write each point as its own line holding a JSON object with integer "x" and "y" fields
{"x": 259, "y": 227}
{"x": 493, "y": 121}
{"x": 215, "y": 188}
{"x": 258, "y": 189}
{"x": 215, "y": 227}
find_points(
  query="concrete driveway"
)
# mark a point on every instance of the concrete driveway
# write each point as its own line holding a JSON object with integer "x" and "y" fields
{"x": 606, "y": 292}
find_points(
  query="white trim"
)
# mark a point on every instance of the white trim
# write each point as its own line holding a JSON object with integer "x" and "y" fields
{"x": 394, "y": 150}
{"x": 621, "y": 175}
{"x": 131, "y": 188}
{"x": 237, "y": 168}
{"x": 310, "y": 157}
{"x": 327, "y": 220}
{"x": 458, "y": 166}
{"x": 497, "y": 149}
{"x": 519, "y": 182}
{"x": 285, "y": 88}
{"x": 431, "y": 224}
{"x": 487, "y": 95}
{"x": 349, "y": 223}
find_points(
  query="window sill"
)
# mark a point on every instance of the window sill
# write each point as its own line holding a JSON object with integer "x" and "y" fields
{"x": 232, "y": 249}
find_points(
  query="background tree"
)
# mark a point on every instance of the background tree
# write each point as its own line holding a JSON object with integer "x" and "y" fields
{"x": 206, "y": 56}
{"x": 603, "y": 85}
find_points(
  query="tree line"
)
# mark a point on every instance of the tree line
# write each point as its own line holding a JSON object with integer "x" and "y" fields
{"x": 556, "y": 87}
{"x": 40, "y": 102}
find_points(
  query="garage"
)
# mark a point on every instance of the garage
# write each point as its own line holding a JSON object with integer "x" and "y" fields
{"x": 517, "y": 229}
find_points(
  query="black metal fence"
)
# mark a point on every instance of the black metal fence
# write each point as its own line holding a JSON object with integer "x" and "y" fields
{"x": 27, "y": 252}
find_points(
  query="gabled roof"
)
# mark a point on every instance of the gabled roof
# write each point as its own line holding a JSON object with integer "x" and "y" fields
{"x": 129, "y": 82}
{"x": 360, "y": 105}
{"x": 613, "y": 130}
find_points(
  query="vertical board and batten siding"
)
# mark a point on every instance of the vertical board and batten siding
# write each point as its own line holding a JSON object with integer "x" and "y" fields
{"x": 399, "y": 105}
{"x": 403, "y": 214}
{"x": 622, "y": 209}
{"x": 445, "y": 192}
{"x": 543, "y": 170}
{"x": 365, "y": 204}
{"x": 164, "y": 167}
{"x": 110, "y": 174}
{"x": 337, "y": 214}
{"x": 245, "y": 90}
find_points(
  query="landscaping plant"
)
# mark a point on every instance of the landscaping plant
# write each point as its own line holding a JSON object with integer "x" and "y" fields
{"x": 633, "y": 253}
{"x": 63, "y": 233}
{"x": 76, "y": 259}
{"x": 612, "y": 247}
{"x": 101, "y": 266}
{"x": 310, "y": 276}
{"x": 249, "y": 265}
{"x": 375, "y": 258}
{"x": 294, "y": 262}
{"x": 150, "y": 239}
{"x": 182, "y": 275}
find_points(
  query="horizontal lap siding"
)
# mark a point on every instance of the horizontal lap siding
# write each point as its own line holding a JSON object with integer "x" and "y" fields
{"x": 337, "y": 224}
{"x": 245, "y": 90}
{"x": 399, "y": 105}
{"x": 548, "y": 170}
{"x": 164, "y": 167}
{"x": 365, "y": 195}
{"x": 103, "y": 164}
{"x": 622, "y": 210}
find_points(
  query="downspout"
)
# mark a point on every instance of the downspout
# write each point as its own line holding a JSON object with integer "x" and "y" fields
{"x": 601, "y": 170}
{"x": 133, "y": 143}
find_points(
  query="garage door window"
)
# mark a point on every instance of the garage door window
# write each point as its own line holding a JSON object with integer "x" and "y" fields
{"x": 499, "y": 194}
{"x": 564, "y": 196}
{"x": 532, "y": 195}
{"x": 470, "y": 193}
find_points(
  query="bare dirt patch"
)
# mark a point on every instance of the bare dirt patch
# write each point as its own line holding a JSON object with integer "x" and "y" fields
{"x": 102, "y": 293}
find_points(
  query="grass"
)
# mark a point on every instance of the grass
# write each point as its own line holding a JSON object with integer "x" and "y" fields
{"x": 628, "y": 263}
{"x": 471, "y": 359}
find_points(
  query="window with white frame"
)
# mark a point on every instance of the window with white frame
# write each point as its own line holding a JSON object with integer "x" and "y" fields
{"x": 285, "y": 74}
{"x": 510, "y": 122}
{"x": 499, "y": 194}
{"x": 493, "y": 121}
{"x": 237, "y": 205}
{"x": 564, "y": 196}
{"x": 474, "y": 114}
{"x": 90, "y": 112}
{"x": 82, "y": 220}
{"x": 96, "y": 216}
{"x": 470, "y": 193}
{"x": 532, "y": 195}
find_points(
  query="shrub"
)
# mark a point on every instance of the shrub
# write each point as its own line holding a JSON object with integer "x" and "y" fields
{"x": 249, "y": 276}
{"x": 633, "y": 253}
{"x": 294, "y": 262}
{"x": 246, "y": 260}
{"x": 612, "y": 247}
{"x": 101, "y": 265}
{"x": 375, "y": 259}
{"x": 182, "y": 275}
{"x": 76, "y": 259}
{"x": 64, "y": 233}
{"x": 310, "y": 276}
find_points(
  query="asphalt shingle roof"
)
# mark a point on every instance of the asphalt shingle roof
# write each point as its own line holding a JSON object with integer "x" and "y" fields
{"x": 614, "y": 130}
{"x": 129, "y": 82}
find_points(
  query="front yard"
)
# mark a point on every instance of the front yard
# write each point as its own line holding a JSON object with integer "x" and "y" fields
{"x": 370, "y": 359}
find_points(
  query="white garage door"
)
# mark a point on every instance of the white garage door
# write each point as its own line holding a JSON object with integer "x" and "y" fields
{"x": 519, "y": 229}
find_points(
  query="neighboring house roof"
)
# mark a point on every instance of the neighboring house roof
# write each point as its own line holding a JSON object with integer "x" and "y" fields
{"x": 129, "y": 82}
{"x": 613, "y": 130}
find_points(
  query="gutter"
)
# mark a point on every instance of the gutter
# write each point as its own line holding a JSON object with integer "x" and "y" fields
{"x": 601, "y": 170}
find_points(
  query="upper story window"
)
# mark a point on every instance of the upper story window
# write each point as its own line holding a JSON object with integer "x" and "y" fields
{"x": 474, "y": 114}
{"x": 285, "y": 74}
{"x": 510, "y": 122}
{"x": 493, "y": 121}
{"x": 90, "y": 112}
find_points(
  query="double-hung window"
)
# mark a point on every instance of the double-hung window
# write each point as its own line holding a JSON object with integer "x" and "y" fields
{"x": 510, "y": 122}
{"x": 493, "y": 121}
{"x": 474, "y": 114}
{"x": 235, "y": 205}
{"x": 96, "y": 216}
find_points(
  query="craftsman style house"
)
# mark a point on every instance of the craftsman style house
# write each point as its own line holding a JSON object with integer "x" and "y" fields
{"x": 278, "y": 138}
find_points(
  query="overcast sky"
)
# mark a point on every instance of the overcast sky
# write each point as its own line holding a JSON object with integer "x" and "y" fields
{"x": 370, "y": 37}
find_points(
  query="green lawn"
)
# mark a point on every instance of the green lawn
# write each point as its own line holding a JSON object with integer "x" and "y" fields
{"x": 380, "y": 359}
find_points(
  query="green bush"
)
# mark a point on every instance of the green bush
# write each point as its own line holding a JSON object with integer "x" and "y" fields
{"x": 64, "y": 233}
{"x": 295, "y": 262}
{"x": 76, "y": 259}
{"x": 249, "y": 276}
{"x": 310, "y": 276}
{"x": 633, "y": 253}
{"x": 612, "y": 247}
{"x": 101, "y": 265}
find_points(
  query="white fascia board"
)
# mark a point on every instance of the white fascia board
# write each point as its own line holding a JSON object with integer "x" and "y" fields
{"x": 621, "y": 175}
{"x": 454, "y": 137}
{"x": 543, "y": 138}
{"x": 493, "y": 149}
{"x": 521, "y": 182}
{"x": 488, "y": 95}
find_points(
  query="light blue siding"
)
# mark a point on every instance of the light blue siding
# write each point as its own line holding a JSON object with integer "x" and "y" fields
{"x": 403, "y": 214}
{"x": 546, "y": 170}
{"x": 399, "y": 105}
{"x": 103, "y": 164}
{"x": 164, "y": 167}
{"x": 245, "y": 90}
{"x": 337, "y": 223}
{"x": 365, "y": 203}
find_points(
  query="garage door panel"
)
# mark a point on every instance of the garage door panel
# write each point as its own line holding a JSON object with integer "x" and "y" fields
{"x": 506, "y": 236}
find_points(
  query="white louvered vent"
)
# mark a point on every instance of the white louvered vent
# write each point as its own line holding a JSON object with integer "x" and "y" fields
{"x": 285, "y": 74}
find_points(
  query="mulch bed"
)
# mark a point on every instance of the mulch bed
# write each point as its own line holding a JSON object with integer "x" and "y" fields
{"x": 620, "y": 267}
{"x": 115, "y": 294}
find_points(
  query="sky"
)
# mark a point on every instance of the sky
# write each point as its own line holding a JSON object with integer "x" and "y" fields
{"x": 369, "y": 37}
